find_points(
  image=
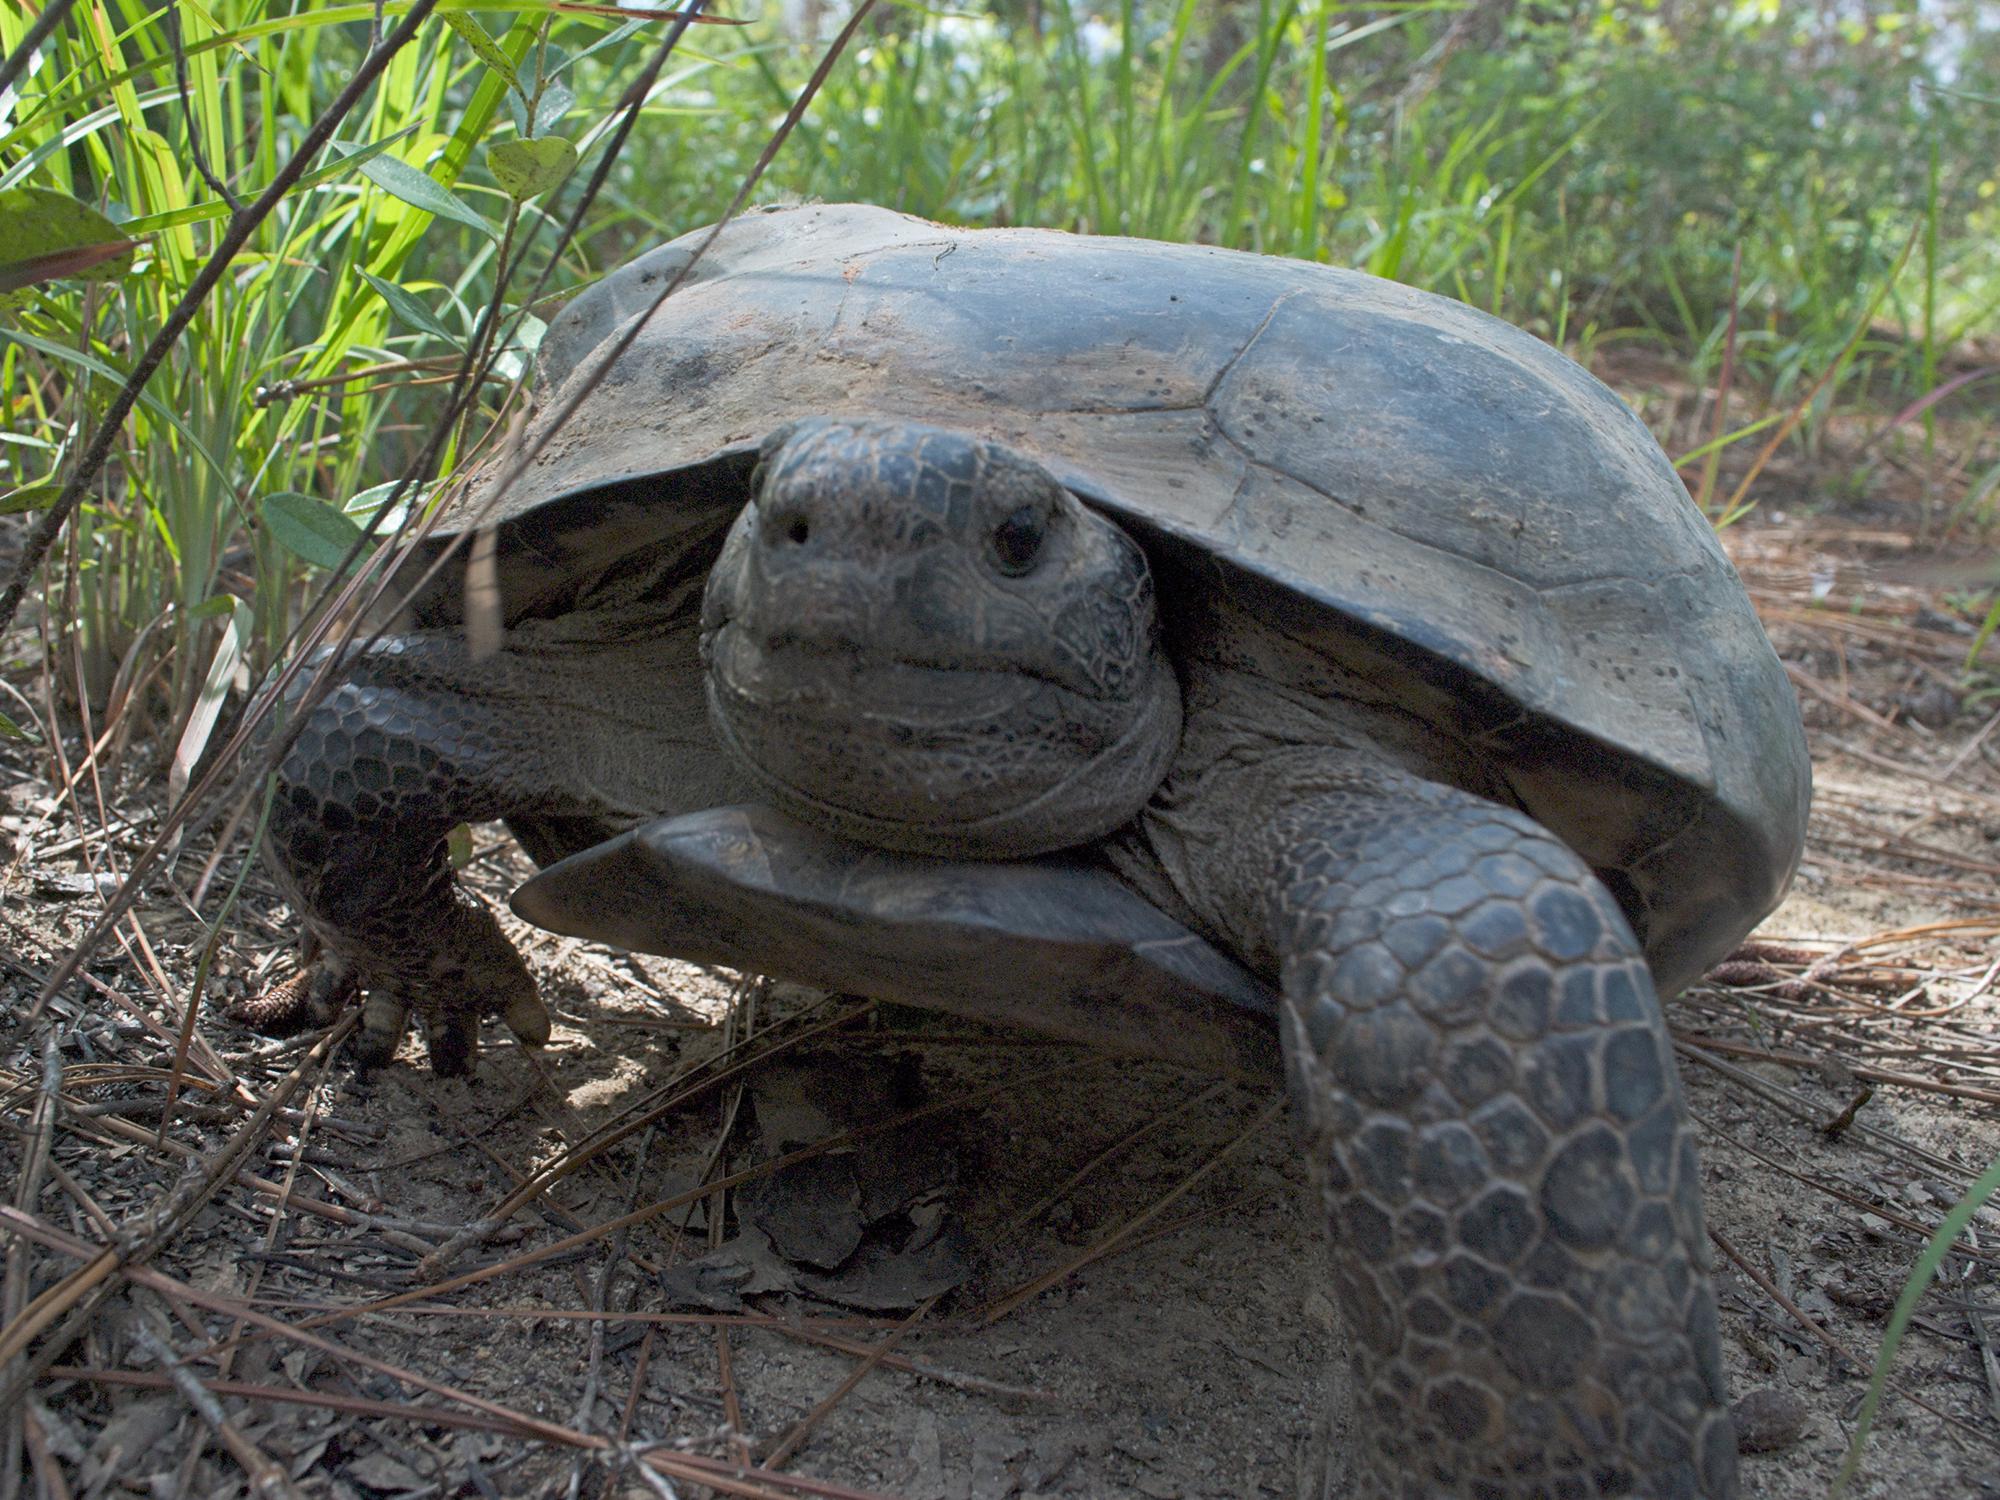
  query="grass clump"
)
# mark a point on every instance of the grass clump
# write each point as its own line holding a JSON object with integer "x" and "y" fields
{"x": 290, "y": 389}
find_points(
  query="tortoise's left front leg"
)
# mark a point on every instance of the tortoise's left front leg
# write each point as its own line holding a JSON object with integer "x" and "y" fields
{"x": 1486, "y": 1091}
{"x": 415, "y": 737}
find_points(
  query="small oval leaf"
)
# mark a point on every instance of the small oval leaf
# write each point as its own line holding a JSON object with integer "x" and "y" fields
{"x": 409, "y": 307}
{"x": 525, "y": 168}
{"x": 399, "y": 179}
{"x": 309, "y": 529}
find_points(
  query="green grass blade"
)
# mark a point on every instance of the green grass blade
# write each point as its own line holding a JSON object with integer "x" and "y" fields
{"x": 1949, "y": 1229}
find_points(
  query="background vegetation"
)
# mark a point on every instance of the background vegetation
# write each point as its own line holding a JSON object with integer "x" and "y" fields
{"x": 1806, "y": 189}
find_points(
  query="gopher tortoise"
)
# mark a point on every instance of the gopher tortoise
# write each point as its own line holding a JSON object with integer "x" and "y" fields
{"x": 1161, "y": 645}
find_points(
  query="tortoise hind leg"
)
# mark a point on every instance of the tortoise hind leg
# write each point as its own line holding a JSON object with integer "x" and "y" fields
{"x": 1485, "y": 1087}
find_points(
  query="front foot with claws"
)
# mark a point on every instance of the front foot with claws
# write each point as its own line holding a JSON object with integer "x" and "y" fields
{"x": 469, "y": 979}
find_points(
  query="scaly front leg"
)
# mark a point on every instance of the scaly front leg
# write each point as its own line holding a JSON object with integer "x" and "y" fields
{"x": 388, "y": 762}
{"x": 581, "y": 725}
{"x": 1486, "y": 1089}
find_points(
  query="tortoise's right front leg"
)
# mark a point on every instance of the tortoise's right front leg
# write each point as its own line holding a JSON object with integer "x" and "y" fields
{"x": 398, "y": 753}
{"x": 578, "y": 727}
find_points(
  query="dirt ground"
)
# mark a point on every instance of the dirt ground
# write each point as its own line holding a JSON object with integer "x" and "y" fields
{"x": 1843, "y": 1076}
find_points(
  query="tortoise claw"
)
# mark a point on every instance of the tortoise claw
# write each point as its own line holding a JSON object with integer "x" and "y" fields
{"x": 454, "y": 1043}
{"x": 471, "y": 972}
{"x": 452, "y": 1033}
{"x": 385, "y": 1016}
{"x": 528, "y": 1019}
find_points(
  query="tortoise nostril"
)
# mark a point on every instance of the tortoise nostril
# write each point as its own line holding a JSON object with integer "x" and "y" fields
{"x": 794, "y": 528}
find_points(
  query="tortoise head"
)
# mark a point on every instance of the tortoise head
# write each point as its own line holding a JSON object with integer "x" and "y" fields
{"x": 921, "y": 640}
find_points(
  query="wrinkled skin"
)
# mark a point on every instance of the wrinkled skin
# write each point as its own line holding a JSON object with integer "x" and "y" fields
{"x": 922, "y": 642}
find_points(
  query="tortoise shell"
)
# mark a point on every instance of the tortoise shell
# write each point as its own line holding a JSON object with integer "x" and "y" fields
{"x": 1425, "y": 491}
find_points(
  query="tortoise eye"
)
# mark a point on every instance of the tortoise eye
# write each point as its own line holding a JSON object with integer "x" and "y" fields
{"x": 1017, "y": 541}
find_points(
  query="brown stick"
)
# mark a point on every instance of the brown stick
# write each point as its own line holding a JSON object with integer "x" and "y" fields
{"x": 34, "y": 1165}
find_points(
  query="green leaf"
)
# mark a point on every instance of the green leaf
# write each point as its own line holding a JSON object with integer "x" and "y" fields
{"x": 9, "y": 730}
{"x": 372, "y": 499}
{"x": 399, "y": 179}
{"x": 526, "y": 168}
{"x": 309, "y": 529}
{"x": 409, "y": 307}
{"x": 556, "y": 101}
{"x": 528, "y": 333}
{"x": 458, "y": 845}
{"x": 45, "y": 234}
{"x": 28, "y": 497}
{"x": 15, "y": 274}
{"x": 1985, "y": 634}
{"x": 222, "y": 670}
{"x": 1950, "y": 1227}
{"x": 481, "y": 41}
{"x": 517, "y": 111}
{"x": 213, "y": 607}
